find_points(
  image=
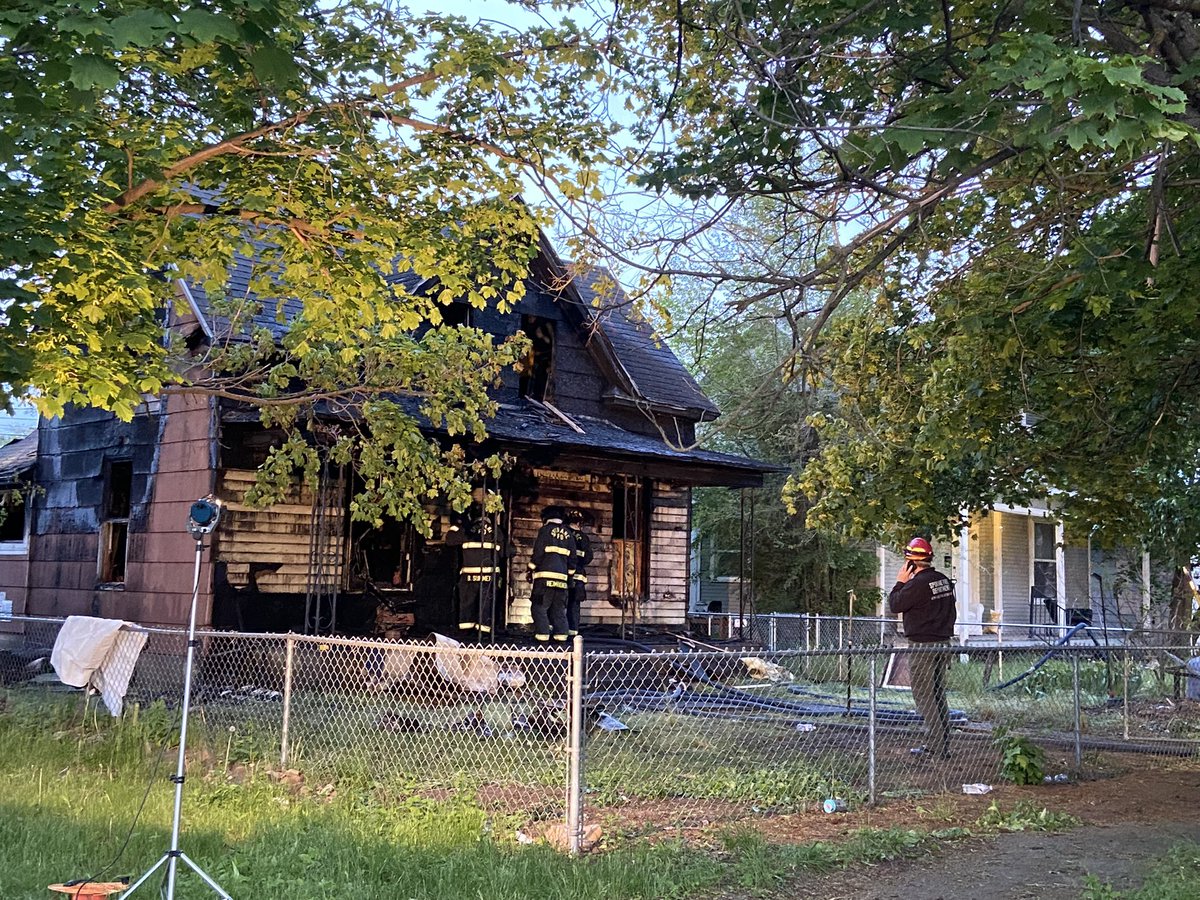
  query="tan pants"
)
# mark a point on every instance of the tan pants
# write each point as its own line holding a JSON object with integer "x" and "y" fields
{"x": 928, "y": 674}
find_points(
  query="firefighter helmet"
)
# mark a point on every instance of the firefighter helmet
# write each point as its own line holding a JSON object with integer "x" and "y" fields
{"x": 919, "y": 550}
{"x": 554, "y": 511}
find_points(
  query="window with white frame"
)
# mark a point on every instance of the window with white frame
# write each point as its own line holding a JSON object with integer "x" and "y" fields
{"x": 1045, "y": 564}
{"x": 14, "y": 521}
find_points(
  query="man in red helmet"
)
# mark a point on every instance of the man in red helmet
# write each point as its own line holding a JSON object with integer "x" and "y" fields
{"x": 925, "y": 597}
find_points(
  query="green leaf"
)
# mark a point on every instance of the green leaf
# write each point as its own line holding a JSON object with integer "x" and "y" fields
{"x": 88, "y": 72}
{"x": 144, "y": 28}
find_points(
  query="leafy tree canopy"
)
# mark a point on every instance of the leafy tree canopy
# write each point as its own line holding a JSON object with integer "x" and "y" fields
{"x": 147, "y": 142}
{"x": 1013, "y": 185}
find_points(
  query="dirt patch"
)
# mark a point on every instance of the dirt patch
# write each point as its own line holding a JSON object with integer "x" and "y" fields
{"x": 1128, "y": 821}
{"x": 1020, "y": 866}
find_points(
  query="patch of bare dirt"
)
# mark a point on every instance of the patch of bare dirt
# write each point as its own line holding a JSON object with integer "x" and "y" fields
{"x": 1128, "y": 821}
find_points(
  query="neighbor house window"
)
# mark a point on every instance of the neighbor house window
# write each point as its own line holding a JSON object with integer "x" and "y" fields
{"x": 724, "y": 561}
{"x": 114, "y": 525}
{"x": 14, "y": 521}
{"x": 1045, "y": 567}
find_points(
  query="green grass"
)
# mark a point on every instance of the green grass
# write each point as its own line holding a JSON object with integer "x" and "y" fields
{"x": 70, "y": 785}
{"x": 1176, "y": 876}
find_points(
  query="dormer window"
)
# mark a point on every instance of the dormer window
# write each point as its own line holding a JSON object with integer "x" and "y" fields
{"x": 538, "y": 363}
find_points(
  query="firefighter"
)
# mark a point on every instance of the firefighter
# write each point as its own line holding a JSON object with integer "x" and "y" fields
{"x": 479, "y": 572}
{"x": 577, "y": 591}
{"x": 550, "y": 570}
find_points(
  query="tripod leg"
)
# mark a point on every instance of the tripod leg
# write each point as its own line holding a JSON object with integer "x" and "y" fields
{"x": 133, "y": 887}
{"x": 204, "y": 876}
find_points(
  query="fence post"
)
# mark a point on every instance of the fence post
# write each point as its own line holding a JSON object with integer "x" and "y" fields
{"x": 871, "y": 732}
{"x": 575, "y": 773}
{"x": 817, "y": 636}
{"x": 1077, "y": 714}
{"x": 774, "y": 632}
{"x": 1125, "y": 692}
{"x": 288, "y": 658}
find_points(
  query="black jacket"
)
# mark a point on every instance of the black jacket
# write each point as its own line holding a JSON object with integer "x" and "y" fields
{"x": 553, "y": 558}
{"x": 927, "y": 603}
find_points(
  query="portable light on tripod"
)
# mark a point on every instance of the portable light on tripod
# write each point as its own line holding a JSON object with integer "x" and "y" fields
{"x": 203, "y": 517}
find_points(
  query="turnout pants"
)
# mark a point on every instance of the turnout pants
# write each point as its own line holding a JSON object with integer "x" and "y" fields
{"x": 549, "y": 608}
{"x": 928, "y": 670}
{"x": 475, "y": 606}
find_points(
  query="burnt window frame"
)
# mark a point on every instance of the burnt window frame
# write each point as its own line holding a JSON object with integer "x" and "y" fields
{"x": 622, "y": 488}
{"x": 116, "y": 511}
{"x": 528, "y": 381}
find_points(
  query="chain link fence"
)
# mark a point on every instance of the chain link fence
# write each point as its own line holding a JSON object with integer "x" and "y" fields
{"x": 637, "y": 740}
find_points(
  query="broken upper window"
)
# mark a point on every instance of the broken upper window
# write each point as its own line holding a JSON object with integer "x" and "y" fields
{"x": 536, "y": 366}
{"x": 456, "y": 314}
{"x": 114, "y": 528}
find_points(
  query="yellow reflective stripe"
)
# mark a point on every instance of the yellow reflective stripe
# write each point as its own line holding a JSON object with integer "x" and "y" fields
{"x": 560, "y": 637}
{"x": 466, "y": 625}
{"x": 580, "y": 578}
{"x": 476, "y": 570}
{"x": 541, "y": 637}
{"x": 479, "y": 545}
{"x": 557, "y": 576}
{"x": 485, "y": 628}
{"x": 562, "y": 551}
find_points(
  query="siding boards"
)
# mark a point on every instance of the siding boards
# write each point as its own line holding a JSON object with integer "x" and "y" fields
{"x": 169, "y": 447}
{"x": 669, "y": 547}
{"x": 274, "y": 534}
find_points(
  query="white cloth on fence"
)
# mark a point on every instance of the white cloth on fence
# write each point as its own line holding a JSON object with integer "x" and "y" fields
{"x": 470, "y": 670}
{"x": 100, "y": 653}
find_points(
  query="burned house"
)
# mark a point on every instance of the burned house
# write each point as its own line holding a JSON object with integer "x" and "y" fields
{"x": 601, "y": 417}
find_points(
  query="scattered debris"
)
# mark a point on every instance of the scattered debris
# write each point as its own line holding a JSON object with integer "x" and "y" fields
{"x": 1060, "y": 778}
{"x": 805, "y": 726}
{"x": 763, "y": 670}
{"x": 389, "y": 668}
{"x": 977, "y": 788}
{"x": 605, "y": 722}
{"x": 545, "y": 723}
{"x": 398, "y": 724}
{"x": 555, "y": 834}
{"x": 474, "y": 722}
{"x": 469, "y": 670}
{"x": 511, "y": 678}
{"x": 248, "y": 692}
{"x": 834, "y": 805}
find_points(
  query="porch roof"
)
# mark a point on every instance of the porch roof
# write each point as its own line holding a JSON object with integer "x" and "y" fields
{"x": 18, "y": 458}
{"x": 532, "y": 429}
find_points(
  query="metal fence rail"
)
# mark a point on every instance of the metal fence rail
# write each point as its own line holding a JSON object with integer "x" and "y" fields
{"x": 637, "y": 739}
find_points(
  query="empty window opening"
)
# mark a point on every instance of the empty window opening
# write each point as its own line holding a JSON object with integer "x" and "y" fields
{"x": 114, "y": 529}
{"x": 456, "y": 314}
{"x": 536, "y": 366}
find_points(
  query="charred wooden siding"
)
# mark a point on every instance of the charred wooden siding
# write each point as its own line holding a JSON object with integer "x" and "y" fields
{"x": 281, "y": 533}
{"x": 170, "y": 448}
{"x": 669, "y": 547}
